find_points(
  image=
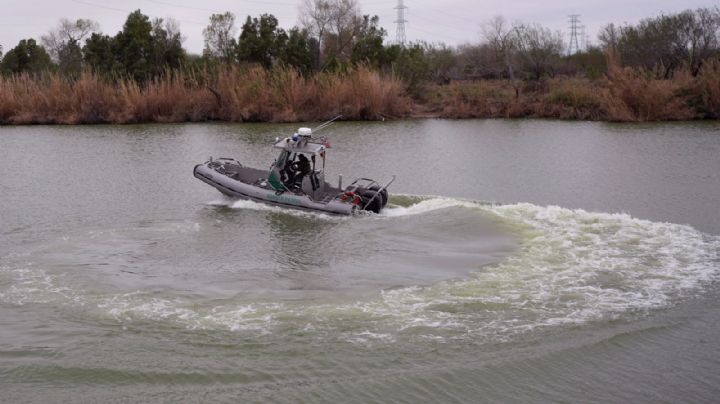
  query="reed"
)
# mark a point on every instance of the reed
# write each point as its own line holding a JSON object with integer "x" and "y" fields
{"x": 253, "y": 94}
{"x": 232, "y": 94}
{"x": 469, "y": 99}
{"x": 636, "y": 95}
{"x": 573, "y": 98}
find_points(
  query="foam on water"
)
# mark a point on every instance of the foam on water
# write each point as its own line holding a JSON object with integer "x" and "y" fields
{"x": 264, "y": 207}
{"x": 20, "y": 286}
{"x": 572, "y": 267}
{"x": 425, "y": 206}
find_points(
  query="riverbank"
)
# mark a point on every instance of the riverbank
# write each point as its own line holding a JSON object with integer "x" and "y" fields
{"x": 283, "y": 95}
{"x": 624, "y": 95}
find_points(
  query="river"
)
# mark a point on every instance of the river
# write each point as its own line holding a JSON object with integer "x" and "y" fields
{"x": 517, "y": 261}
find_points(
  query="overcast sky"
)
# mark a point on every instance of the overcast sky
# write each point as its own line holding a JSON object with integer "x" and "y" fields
{"x": 450, "y": 21}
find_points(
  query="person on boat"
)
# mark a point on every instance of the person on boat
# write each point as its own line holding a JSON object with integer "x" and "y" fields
{"x": 296, "y": 170}
{"x": 303, "y": 168}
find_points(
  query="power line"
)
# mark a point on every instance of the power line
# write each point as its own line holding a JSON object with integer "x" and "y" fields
{"x": 280, "y": 15}
{"x": 100, "y": 6}
{"x": 272, "y": 3}
{"x": 435, "y": 24}
{"x": 457, "y": 17}
{"x": 120, "y": 10}
{"x": 435, "y": 35}
{"x": 216, "y": 11}
{"x": 164, "y": 3}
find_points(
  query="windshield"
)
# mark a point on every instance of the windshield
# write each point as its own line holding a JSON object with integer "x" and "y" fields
{"x": 280, "y": 162}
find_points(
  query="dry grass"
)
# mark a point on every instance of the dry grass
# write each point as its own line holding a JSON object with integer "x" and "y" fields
{"x": 283, "y": 95}
{"x": 624, "y": 95}
{"x": 469, "y": 99}
{"x": 635, "y": 95}
{"x": 708, "y": 90}
{"x": 572, "y": 99}
{"x": 230, "y": 94}
{"x": 558, "y": 98}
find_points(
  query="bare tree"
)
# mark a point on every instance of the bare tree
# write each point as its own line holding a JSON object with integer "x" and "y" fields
{"x": 172, "y": 27}
{"x": 345, "y": 19}
{"x": 220, "y": 36}
{"x": 315, "y": 16}
{"x": 609, "y": 37}
{"x": 703, "y": 32}
{"x": 666, "y": 43}
{"x": 333, "y": 22}
{"x": 443, "y": 62}
{"x": 167, "y": 43}
{"x": 479, "y": 61}
{"x": 67, "y": 33}
{"x": 539, "y": 48}
{"x": 502, "y": 39}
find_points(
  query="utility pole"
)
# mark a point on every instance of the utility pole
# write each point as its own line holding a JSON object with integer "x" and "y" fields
{"x": 400, "y": 36}
{"x": 574, "y": 45}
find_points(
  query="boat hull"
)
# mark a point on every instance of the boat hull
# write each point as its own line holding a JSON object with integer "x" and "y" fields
{"x": 238, "y": 189}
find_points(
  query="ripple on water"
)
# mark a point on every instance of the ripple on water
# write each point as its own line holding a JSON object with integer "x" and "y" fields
{"x": 571, "y": 267}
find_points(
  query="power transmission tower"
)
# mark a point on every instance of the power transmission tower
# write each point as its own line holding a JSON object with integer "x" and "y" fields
{"x": 588, "y": 44}
{"x": 400, "y": 22}
{"x": 574, "y": 45}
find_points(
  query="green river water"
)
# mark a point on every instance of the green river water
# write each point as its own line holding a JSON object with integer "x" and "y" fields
{"x": 517, "y": 261}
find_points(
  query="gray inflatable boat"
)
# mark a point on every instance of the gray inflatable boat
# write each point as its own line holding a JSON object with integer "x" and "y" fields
{"x": 295, "y": 180}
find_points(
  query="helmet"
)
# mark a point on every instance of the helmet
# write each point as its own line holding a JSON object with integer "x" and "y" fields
{"x": 295, "y": 137}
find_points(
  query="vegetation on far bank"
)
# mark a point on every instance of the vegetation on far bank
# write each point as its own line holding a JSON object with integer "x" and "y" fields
{"x": 227, "y": 94}
{"x": 337, "y": 62}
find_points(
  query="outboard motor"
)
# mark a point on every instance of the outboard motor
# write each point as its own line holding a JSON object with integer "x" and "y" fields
{"x": 368, "y": 194}
{"x": 373, "y": 198}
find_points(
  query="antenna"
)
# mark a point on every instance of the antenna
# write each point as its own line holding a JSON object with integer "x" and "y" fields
{"x": 574, "y": 45}
{"x": 400, "y": 36}
{"x": 326, "y": 124}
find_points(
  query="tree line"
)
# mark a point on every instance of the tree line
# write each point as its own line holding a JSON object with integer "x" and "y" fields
{"x": 334, "y": 35}
{"x": 667, "y": 43}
